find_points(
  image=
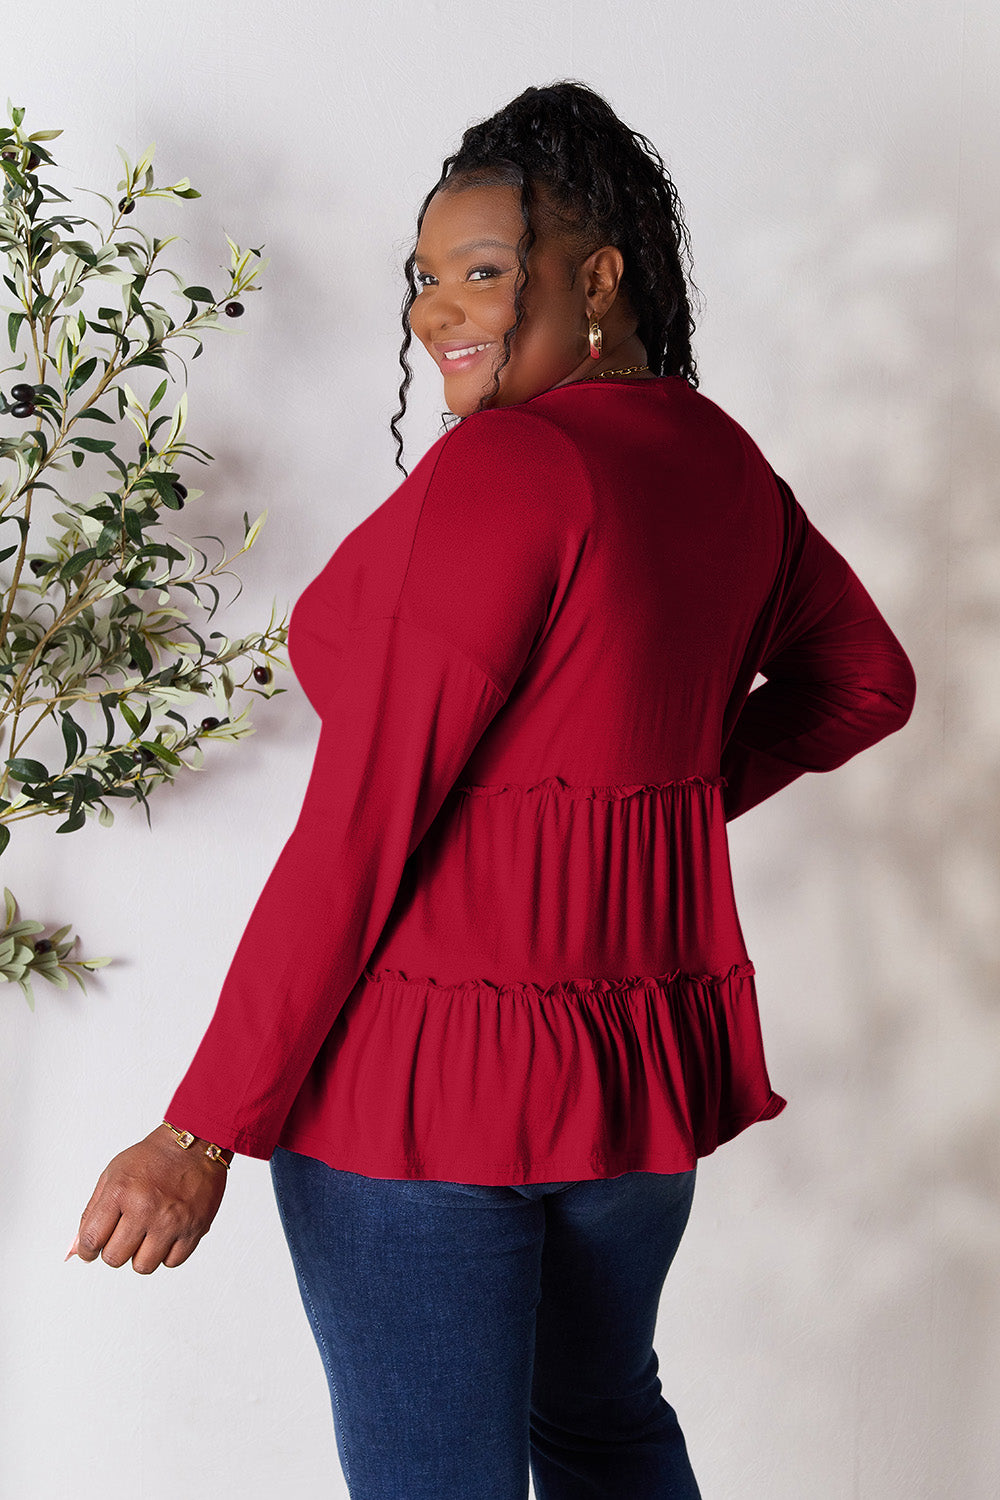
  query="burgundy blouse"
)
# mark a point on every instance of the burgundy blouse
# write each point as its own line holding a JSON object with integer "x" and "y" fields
{"x": 501, "y": 943}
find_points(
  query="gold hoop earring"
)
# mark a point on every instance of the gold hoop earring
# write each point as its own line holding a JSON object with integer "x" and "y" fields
{"x": 595, "y": 336}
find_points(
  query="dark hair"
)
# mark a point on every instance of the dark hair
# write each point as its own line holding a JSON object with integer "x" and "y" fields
{"x": 585, "y": 175}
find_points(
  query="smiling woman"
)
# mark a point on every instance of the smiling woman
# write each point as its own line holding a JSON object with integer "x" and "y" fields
{"x": 464, "y": 303}
{"x": 494, "y": 1002}
{"x": 556, "y": 251}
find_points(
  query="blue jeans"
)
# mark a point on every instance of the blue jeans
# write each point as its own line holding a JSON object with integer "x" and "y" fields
{"x": 468, "y": 1332}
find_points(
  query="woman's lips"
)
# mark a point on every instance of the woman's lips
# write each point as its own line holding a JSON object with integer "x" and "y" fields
{"x": 466, "y": 362}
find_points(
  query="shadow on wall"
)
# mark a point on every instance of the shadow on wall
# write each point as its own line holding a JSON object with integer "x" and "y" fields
{"x": 887, "y": 368}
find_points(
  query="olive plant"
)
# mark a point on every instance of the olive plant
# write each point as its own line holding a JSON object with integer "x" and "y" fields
{"x": 91, "y": 619}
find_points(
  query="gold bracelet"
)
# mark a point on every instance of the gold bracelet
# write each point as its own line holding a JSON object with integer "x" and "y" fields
{"x": 185, "y": 1138}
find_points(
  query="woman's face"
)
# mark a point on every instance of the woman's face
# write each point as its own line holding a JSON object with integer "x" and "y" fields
{"x": 465, "y": 297}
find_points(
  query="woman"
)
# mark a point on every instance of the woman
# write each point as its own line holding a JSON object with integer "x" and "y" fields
{"x": 493, "y": 1002}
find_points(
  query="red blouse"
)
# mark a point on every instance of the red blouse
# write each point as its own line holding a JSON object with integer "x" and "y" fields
{"x": 501, "y": 943}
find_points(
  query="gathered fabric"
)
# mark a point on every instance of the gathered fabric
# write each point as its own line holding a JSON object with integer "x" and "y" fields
{"x": 602, "y": 1061}
{"x": 501, "y": 944}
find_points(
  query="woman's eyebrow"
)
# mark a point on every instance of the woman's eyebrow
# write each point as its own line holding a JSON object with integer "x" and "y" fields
{"x": 464, "y": 249}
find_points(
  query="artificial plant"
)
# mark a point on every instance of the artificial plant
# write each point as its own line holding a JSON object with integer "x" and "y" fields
{"x": 91, "y": 620}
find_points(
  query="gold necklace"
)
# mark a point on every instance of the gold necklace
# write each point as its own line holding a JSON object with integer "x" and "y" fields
{"x": 629, "y": 370}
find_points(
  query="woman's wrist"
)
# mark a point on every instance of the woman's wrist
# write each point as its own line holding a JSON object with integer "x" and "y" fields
{"x": 186, "y": 1140}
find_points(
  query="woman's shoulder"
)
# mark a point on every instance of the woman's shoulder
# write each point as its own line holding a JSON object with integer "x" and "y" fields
{"x": 518, "y": 436}
{"x": 502, "y": 467}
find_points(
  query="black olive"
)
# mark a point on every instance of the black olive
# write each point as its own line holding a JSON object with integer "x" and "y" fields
{"x": 126, "y": 205}
{"x": 22, "y": 409}
{"x": 22, "y": 392}
{"x": 234, "y": 309}
{"x": 38, "y": 565}
{"x": 262, "y": 674}
{"x": 210, "y": 723}
{"x": 43, "y": 946}
{"x": 33, "y": 161}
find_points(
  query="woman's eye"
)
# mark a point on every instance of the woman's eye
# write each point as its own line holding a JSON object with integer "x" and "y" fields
{"x": 423, "y": 276}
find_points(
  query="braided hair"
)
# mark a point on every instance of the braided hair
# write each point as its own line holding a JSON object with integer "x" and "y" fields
{"x": 583, "y": 174}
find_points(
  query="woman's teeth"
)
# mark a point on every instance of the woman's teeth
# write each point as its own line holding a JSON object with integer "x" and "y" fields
{"x": 464, "y": 353}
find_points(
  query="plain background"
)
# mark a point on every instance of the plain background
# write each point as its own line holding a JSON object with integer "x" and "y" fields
{"x": 831, "y": 1324}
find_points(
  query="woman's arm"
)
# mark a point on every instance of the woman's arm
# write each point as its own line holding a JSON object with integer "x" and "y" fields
{"x": 838, "y": 680}
{"x": 408, "y": 645}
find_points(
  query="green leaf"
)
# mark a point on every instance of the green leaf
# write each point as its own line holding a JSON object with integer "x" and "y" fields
{"x": 164, "y": 486}
{"x": 162, "y": 752}
{"x": 108, "y": 699}
{"x": 73, "y": 822}
{"x": 94, "y": 445}
{"x": 198, "y": 294}
{"x": 4, "y": 837}
{"x": 156, "y": 360}
{"x": 108, "y": 539}
{"x": 39, "y": 484}
{"x": 73, "y": 736}
{"x": 133, "y": 526}
{"x": 83, "y": 252}
{"x": 23, "y": 769}
{"x": 12, "y": 171}
{"x": 38, "y": 436}
{"x": 81, "y": 375}
{"x": 14, "y": 321}
{"x": 158, "y": 395}
{"x": 77, "y": 563}
{"x": 129, "y": 717}
{"x": 96, "y": 415}
{"x": 141, "y": 652}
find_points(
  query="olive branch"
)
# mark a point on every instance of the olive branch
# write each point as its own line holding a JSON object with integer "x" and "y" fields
{"x": 78, "y": 624}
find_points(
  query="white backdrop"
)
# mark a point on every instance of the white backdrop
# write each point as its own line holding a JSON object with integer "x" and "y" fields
{"x": 830, "y": 1325}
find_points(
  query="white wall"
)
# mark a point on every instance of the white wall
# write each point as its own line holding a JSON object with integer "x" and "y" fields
{"x": 830, "y": 1326}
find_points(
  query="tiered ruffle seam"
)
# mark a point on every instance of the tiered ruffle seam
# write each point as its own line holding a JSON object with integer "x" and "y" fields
{"x": 581, "y": 987}
{"x": 601, "y": 793}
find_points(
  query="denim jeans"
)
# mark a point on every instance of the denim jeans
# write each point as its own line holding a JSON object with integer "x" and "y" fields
{"x": 468, "y": 1332}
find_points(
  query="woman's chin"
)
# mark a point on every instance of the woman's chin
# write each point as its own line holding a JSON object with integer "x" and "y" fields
{"x": 462, "y": 400}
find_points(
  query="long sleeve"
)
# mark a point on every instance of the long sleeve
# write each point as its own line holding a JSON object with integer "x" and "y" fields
{"x": 394, "y": 737}
{"x": 838, "y": 680}
{"x": 407, "y": 645}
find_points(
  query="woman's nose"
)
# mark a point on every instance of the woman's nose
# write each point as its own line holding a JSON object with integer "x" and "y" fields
{"x": 442, "y": 309}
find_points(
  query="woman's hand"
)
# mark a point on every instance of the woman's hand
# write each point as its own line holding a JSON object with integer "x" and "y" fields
{"x": 152, "y": 1204}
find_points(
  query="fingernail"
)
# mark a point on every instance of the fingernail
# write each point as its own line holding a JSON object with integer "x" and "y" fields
{"x": 72, "y": 1249}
